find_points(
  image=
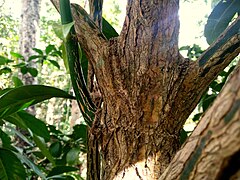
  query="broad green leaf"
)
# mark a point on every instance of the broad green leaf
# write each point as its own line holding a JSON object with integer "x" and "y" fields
{"x": 61, "y": 177}
{"x": 17, "y": 82}
{"x": 66, "y": 29}
{"x": 10, "y": 166}
{"x": 73, "y": 156}
{"x": 33, "y": 71}
{"x": 5, "y": 70}
{"x": 16, "y": 55}
{"x": 55, "y": 63}
{"x": 220, "y": 18}
{"x": 49, "y": 48}
{"x": 43, "y": 147}
{"x": 30, "y": 164}
{"x": 61, "y": 169}
{"x": 22, "y": 97}
{"x": 39, "y": 51}
{"x": 108, "y": 30}
{"x": 56, "y": 149}
{"x": 4, "y": 60}
{"x": 37, "y": 126}
{"x": 57, "y": 28}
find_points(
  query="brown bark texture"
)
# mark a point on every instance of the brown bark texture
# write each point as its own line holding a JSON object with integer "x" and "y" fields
{"x": 148, "y": 89}
{"x": 213, "y": 149}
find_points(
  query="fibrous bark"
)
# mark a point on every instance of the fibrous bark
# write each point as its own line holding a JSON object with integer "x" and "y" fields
{"x": 148, "y": 88}
{"x": 213, "y": 149}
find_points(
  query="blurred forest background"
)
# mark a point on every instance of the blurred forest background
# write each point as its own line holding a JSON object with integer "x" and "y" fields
{"x": 44, "y": 64}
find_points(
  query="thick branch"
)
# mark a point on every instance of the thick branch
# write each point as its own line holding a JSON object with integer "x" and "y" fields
{"x": 220, "y": 53}
{"x": 210, "y": 150}
{"x": 89, "y": 36}
{"x": 150, "y": 29}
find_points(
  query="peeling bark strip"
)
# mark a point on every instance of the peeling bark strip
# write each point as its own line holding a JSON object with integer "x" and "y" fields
{"x": 149, "y": 90}
{"x": 208, "y": 152}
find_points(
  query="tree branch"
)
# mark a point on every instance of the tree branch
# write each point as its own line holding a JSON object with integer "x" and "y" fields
{"x": 88, "y": 34}
{"x": 220, "y": 53}
{"x": 215, "y": 142}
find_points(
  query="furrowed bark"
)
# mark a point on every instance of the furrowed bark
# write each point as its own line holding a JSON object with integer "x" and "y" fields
{"x": 212, "y": 151}
{"x": 148, "y": 88}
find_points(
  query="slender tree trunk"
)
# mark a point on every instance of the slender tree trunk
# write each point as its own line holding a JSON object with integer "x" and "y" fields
{"x": 28, "y": 35}
{"x": 28, "y": 31}
{"x": 148, "y": 88}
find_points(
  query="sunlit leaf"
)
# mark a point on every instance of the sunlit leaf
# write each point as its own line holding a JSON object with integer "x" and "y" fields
{"x": 4, "y": 60}
{"x": 22, "y": 97}
{"x": 66, "y": 29}
{"x": 49, "y": 48}
{"x": 39, "y": 51}
{"x": 55, "y": 63}
{"x": 16, "y": 55}
{"x": 17, "y": 82}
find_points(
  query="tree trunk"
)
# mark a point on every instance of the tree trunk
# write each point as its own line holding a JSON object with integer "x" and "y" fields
{"x": 28, "y": 32}
{"x": 148, "y": 88}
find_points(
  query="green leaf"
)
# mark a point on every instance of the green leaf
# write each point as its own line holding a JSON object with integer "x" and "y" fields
{"x": 22, "y": 97}
{"x": 66, "y": 29}
{"x": 43, "y": 147}
{"x": 55, "y": 63}
{"x": 57, "y": 28}
{"x": 30, "y": 164}
{"x": 49, "y": 48}
{"x": 33, "y": 71}
{"x": 24, "y": 70}
{"x": 6, "y": 140}
{"x": 16, "y": 55}
{"x": 10, "y": 166}
{"x": 64, "y": 56}
{"x": 79, "y": 132}
{"x": 34, "y": 57}
{"x": 19, "y": 134}
{"x": 39, "y": 51}
{"x": 17, "y": 82}
{"x": 5, "y": 70}
{"x": 61, "y": 169}
{"x": 108, "y": 30}
{"x": 56, "y": 149}
{"x": 4, "y": 60}
{"x": 183, "y": 136}
{"x": 19, "y": 65}
{"x": 220, "y": 18}
{"x": 197, "y": 116}
{"x": 37, "y": 126}
{"x": 73, "y": 156}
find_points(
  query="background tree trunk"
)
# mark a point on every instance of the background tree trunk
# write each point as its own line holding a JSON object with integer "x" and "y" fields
{"x": 28, "y": 32}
